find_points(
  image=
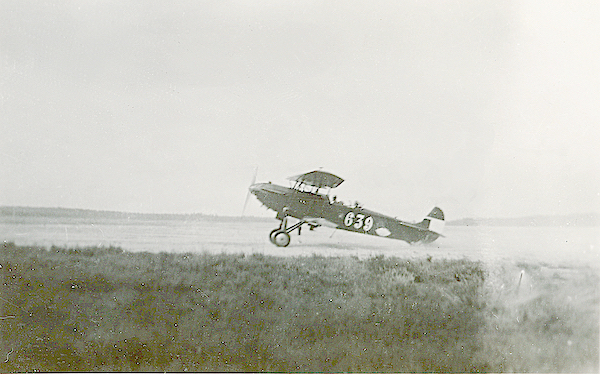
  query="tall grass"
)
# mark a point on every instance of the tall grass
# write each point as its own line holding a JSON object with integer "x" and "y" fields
{"x": 542, "y": 318}
{"x": 103, "y": 309}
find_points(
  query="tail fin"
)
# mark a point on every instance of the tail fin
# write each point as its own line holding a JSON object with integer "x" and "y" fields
{"x": 434, "y": 221}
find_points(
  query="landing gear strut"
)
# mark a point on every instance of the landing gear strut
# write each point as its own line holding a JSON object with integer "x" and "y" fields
{"x": 281, "y": 235}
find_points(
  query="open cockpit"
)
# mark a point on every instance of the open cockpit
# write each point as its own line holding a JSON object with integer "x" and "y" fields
{"x": 318, "y": 183}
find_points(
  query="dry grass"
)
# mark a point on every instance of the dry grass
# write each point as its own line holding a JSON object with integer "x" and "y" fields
{"x": 542, "y": 319}
{"x": 102, "y": 309}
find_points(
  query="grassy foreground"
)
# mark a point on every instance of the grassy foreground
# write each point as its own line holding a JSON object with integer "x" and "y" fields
{"x": 103, "y": 309}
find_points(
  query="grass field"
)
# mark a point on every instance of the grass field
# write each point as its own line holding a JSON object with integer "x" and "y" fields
{"x": 104, "y": 309}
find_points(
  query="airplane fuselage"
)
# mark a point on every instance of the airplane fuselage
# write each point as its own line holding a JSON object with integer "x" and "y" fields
{"x": 317, "y": 210}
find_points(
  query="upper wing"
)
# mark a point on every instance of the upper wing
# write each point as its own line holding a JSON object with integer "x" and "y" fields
{"x": 318, "y": 179}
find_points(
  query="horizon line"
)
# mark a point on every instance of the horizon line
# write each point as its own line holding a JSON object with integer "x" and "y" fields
{"x": 591, "y": 213}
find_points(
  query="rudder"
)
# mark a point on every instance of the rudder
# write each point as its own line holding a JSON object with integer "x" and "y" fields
{"x": 434, "y": 221}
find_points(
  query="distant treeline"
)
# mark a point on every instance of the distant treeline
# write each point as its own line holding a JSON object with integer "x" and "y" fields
{"x": 571, "y": 220}
{"x": 17, "y": 211}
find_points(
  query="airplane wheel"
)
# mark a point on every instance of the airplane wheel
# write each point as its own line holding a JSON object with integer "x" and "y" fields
{"x": 281, "y": 238}
{"x": 272, "y": 236}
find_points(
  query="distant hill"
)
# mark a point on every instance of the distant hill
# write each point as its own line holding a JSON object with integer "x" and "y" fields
{"x": 574, "y": 220}
{"x": 570, "y": 220}
{"x": 17, "y": 211}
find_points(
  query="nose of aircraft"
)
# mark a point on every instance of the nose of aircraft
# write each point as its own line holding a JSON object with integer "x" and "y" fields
{"x": 262, "y": 189}
{"x": 255, "y": 188}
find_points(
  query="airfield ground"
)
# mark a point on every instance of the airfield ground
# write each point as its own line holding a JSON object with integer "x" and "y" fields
{"x": 219, "y": 300}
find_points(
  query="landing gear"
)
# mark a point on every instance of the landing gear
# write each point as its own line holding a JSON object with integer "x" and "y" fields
{"x": 281, "y": 235}
{"x": 272, "y": 235}
{"x": 281, "y": 238}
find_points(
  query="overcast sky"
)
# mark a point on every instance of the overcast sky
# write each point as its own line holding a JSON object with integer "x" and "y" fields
{"x": 484, "y": 108}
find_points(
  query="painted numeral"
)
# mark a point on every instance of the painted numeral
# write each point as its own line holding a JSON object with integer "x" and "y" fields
{"x": 358, "y": 221}
{"x": 349, "y": 219}
{"x": 368, "y": 224}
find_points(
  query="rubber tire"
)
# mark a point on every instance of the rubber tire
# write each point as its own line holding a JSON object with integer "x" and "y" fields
{"x": 272, "y": 235}
{"x": 281, "y": 238}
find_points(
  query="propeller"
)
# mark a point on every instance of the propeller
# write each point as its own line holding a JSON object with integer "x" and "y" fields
{"x": 249, "y": 193}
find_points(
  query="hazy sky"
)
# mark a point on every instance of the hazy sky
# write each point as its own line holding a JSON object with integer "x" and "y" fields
{"x": 485, "y": 108}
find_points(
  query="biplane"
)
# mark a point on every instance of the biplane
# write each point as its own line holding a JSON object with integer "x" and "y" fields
{"x": 308, "y": 200}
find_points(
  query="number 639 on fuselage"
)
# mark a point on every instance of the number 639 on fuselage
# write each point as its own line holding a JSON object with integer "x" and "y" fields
{"x": 308, "y": 201}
